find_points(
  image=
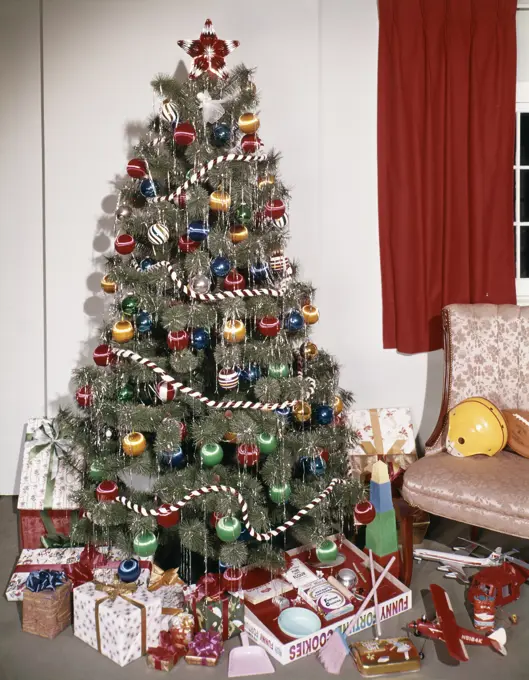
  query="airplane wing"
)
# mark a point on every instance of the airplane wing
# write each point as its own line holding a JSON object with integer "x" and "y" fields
{"x": 457, "y": 569}
{"x": 448, "y": 624}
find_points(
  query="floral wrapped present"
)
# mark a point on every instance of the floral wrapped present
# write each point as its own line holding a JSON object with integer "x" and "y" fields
{"x": 213, "y": 608}
{"x": 120, "y": 620}
{"x": 382, "y": 433}
{"x": 205, "y": 649}
{"x": 182, "y": 629}
{"x": 47, "y": 607}
{"x": 165, "y": 655}
{"x": 80, "y": 564}
{"x": 51, "y": 472}
{"x": 170, "y": 586}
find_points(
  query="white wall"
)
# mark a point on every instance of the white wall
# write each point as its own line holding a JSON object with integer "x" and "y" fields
{"x": 317, "y": 64}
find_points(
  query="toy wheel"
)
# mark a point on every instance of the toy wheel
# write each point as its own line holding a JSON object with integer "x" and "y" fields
{"x": 421, "y": 656}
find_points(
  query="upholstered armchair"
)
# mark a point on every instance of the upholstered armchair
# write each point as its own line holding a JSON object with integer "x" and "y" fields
{"x": 487, "y": 355}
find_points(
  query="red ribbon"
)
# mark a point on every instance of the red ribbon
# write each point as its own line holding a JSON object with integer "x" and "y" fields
{"x": 166, "y": 651}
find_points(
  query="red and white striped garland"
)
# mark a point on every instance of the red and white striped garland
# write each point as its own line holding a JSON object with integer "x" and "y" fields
{"x": 195, "y": 394}
{"x": 199, "y": 174}
{"x": 242, "y": 504}
{"x": 223, "y": 295}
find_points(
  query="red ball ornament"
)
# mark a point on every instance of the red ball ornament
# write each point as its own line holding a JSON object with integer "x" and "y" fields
{"x": 184, "y": 134}
{"x": 234, "y": 280}
{"x": 214, "y": 518}
{"x": 364, "y": 512}
{"x": 275, "y": 209}
{"x": 103, "y": 355}
{"x": 84, "y": 396}
{"x": 269, "y": 326}
{"x": 124, "y": 244}
{"x": 324, "y": 454}
{"x": 107, "y": 491}
{"x": 168, "y": 518}
{"x": 165, "y": 391}
{"x": 177, "y": 339}
{"x": 137, "y": 168}
{"x": 187, "y": 245}
{"x": 232, "y": 579}
{"x": 181, "y": 201}
{"x": 251, "y": 143}
{"x": 248, "y": 454}
{"x": 183, "y": 431}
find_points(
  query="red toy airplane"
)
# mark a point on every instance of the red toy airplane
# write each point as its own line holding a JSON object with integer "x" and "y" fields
{"x": 446, "y": 629}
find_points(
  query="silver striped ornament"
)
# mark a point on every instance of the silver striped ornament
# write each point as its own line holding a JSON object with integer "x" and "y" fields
{"x": 169, "y": 112}
{"x": 228, "y": 378}
{"x": 281, "y": 221}
{"x": 158, "y": 234}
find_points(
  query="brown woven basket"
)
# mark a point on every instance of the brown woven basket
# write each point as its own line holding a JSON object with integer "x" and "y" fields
{"x": 47, "y": 613}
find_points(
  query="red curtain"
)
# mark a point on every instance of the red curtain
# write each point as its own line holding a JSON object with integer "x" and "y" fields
{"x": 446, "y": 124}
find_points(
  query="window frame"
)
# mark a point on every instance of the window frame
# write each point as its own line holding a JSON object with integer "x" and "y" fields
{"x": 522, "y": 106}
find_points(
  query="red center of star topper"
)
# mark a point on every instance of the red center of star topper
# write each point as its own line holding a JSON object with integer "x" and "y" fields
{"x": 208, "y": 52}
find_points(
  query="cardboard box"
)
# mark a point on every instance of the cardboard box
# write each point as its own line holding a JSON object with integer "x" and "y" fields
{"x": 260, "y": 620}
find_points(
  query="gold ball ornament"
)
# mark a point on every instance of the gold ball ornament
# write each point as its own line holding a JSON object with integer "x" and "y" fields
{"x": 338, "y": 405}
{"x": 122, "y": 331}
{"x": 301, "y": 411}
{"x": 234, "y": 331}
{"x": 220, "y": 201}
{"x": 309, "y": 350}
{"x": 262, "y": 182}
{"x": 238, "y": 233}
{"x": 230, "y": 437}
{"x": 134, "y": 444}
{"x": 310, "y": 313}
{"x": 108, "y": 285}
{"x": 249, "y": 123}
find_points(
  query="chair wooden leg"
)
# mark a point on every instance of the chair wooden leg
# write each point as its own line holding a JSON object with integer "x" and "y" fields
{"x": 406, "y": 540}
{"x": 474, "y": 534}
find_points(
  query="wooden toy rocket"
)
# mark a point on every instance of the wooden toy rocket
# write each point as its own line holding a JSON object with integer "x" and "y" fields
{"x": 381, "y": 533}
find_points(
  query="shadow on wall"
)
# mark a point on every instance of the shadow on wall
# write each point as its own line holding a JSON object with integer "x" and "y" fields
{"x": 432, "y": 397}
{"x": 97, "y": 304}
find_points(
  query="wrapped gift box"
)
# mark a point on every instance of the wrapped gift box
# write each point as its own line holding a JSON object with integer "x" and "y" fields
{"x": 47, "y": 483}
{"x": 170, "y": 586}
{"x": 381, "y": 657}
{"x": 260, "y": 620}
{"x": 59, "y": 558}
{"x": 205, "y": 649}
{"x": 118, "y": 621}
{"x": 385, "y": 433}
{"x": 213, "y": 608}
{"x": 47, "y": 612}
{"x": 165, "y": 655}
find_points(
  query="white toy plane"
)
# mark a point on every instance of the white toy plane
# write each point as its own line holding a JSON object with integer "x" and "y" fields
{"x": 453, "y": 564}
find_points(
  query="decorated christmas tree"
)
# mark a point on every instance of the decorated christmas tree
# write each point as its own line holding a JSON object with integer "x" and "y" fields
{"x": 206, "y": 387}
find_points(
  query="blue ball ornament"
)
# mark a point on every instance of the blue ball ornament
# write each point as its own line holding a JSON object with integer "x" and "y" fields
{"x": 149, "y": 188}
{"x": 143, "y": 322}
{"x": 220, "y": 266}
{"x": 147, "y": 263}
{"x": 313, "y": 466}
{"x": 293, "y": 321}
{"x": 245, "y": 535}
{"x": 250, "y": 373}
{"x": 199, "y": 338}
{"x": 260, "y": 271}
{"x": 174, "y": 459}
{"x": 284, "y": 413}
{"x": 223, "y": 567}
{"x": 323, "y": 414}
{"x": 221, "y": 134}
{"x": 198, "y": 231}
{"x": 129, "y": 570}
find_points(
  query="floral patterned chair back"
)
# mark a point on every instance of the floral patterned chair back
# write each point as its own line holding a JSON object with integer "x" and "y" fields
{"x": 486, "y": 355}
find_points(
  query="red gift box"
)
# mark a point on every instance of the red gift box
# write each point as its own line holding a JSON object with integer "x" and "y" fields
{"x": 33, "y": 525}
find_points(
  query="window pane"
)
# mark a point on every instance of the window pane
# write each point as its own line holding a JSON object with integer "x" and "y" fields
{"x": 524, "y": 195}
{"x": 524, "y": 139}
{"x": 524, "y": 252}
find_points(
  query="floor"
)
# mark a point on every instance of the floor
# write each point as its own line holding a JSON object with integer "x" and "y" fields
{"x": 24, "y": 656}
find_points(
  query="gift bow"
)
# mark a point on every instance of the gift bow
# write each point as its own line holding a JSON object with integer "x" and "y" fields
{"x": 166, "y": 650}
{"x": 206, "y": 643}
{"x": 47, "y": 437}
{"x": 45, "y": 579}
{"x": 116, "y": 589}
{"x": 208, "y": 586}
{"x": 83, "y": 571}
{"x": 160, "y": 578}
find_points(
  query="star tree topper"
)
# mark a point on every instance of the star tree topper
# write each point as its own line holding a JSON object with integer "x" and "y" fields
{"x": 208, "y": 52}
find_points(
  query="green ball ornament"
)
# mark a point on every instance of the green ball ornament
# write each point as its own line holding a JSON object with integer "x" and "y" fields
{"x": 125, "y": 394}
{"x": 267, "y": 443}
{"x": 228, "y": 529}
{"x": 327, "y": 551}
{"x": 129, "y": 305}
{"x": 211, "y": 454}
{"x": 145, "y": 544}
{"x": 243, "y": 213}
{"x": 279, "y": 493}
{"x": 278, "y": 371}
{"x": 95, "y": 471}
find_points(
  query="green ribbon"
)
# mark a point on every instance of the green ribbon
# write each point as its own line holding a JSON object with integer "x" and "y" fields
{"x": 52, "y": 538}
{"x": 47, "y": 438}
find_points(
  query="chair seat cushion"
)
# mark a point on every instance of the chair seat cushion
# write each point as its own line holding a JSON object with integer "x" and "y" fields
{"x": 489, "y": 492}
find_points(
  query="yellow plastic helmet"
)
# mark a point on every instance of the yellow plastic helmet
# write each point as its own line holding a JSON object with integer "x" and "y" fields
{"x": 475, "y": 426}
